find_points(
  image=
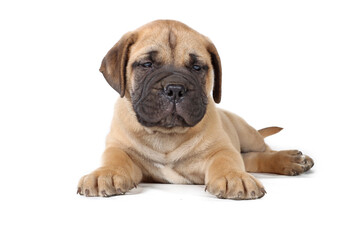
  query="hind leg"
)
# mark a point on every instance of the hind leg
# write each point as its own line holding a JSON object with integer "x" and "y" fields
{"x": 290, "y": 162}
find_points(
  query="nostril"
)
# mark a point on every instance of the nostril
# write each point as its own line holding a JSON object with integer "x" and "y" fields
{"x": 170, "y": 93}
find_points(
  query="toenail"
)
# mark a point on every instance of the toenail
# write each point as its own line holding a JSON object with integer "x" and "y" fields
{"x": 118, "y": 191}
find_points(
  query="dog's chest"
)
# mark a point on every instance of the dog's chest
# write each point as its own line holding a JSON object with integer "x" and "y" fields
{"x": 165, "y": 161}
{"x": 164, "y": 166}
{"x": 169, "y": 174}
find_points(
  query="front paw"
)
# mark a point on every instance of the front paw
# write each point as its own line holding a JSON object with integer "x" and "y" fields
{"x": 236, "y": 185}
{"x": 105, "y": 182}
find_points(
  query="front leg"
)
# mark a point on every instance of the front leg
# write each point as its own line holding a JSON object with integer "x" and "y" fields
{"x": 226, "y": 177}
{"x": 117, "y": 175}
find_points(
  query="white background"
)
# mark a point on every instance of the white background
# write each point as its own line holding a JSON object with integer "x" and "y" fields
{"x": 293, "y": 64}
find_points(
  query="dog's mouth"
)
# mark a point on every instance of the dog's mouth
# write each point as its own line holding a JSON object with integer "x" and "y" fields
{"x": 168, "y": 115}
{"x": 169, "y": 99}
{"x": 170, "y": 121}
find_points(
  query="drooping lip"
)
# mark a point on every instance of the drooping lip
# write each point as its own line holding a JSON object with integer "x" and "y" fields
{"x": 170, "y": 120}
{"x": 176, "y": 121}
{"x": 173, "y": 115}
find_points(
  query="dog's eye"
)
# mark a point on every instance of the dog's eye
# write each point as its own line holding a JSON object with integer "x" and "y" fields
{"x": 196, "y": 67}
{"x": 147, "y": 65}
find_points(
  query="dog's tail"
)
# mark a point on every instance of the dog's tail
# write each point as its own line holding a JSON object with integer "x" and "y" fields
{"x": 265, "y": 132}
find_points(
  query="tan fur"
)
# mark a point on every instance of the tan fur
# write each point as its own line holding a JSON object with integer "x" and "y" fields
{"x": 217, "y": 152}
{"x": 265, "y": 132}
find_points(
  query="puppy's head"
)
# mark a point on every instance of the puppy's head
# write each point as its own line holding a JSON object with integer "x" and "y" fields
{"x": 168, "y": 71}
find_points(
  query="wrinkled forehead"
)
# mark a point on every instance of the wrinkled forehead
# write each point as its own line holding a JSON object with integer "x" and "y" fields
{"x": 170, "y": 45}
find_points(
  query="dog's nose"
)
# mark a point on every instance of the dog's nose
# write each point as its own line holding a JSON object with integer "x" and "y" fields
{"x": 175, "y": 91}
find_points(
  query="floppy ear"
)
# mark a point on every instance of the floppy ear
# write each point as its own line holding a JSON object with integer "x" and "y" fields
{"x": 113, "y": 66}
{"x": 216, "y": 63}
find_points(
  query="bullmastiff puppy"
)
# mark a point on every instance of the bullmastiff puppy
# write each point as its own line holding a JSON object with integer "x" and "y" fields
{"x": 166, "y": 127}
